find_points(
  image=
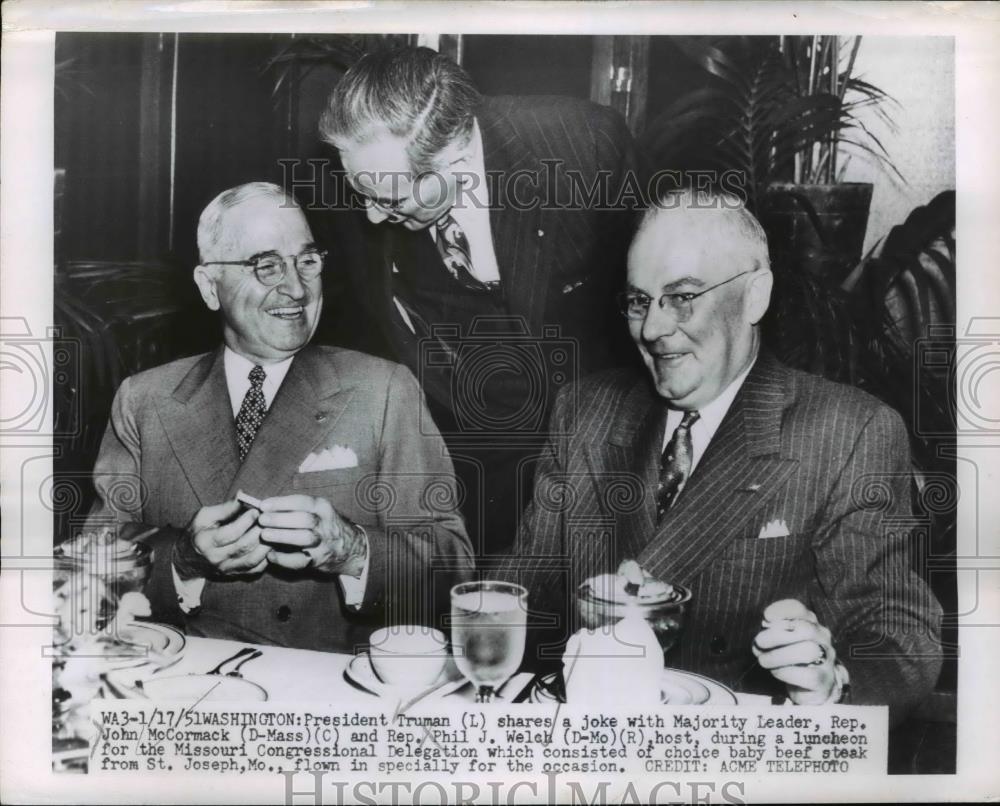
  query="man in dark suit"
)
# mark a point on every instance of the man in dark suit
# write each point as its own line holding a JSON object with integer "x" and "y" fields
{"x": 779, "y": 498}
{"x": 498, "y": 229}
{"x": 359, "y": 502}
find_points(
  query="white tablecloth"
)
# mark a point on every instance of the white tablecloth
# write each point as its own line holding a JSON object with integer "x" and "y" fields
{"x": 302, "y": 675}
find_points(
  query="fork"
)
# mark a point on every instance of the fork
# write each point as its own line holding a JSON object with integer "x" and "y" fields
{"x": 235, "y": 672}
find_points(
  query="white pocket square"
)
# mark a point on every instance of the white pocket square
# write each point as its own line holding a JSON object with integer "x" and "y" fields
{"x": 336, "y": 458}
{"x": 775, "y": 528}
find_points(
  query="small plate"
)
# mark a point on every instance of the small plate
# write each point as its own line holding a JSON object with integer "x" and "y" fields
{"x": 203, "y": 688}
{"x": 164, "y": 644}
{"x": 359, "y": 672}
{"x": 677, "y": 687}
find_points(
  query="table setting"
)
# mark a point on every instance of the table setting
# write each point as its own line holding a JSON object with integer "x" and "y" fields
{"x": 626, "y": 618}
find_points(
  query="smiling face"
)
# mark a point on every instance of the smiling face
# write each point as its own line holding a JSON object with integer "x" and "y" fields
{"x": 380, "y": 171}
{"x": 687, "y": 251}
{"x": 264, "y": 324}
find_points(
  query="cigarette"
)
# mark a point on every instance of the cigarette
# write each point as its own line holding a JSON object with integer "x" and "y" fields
{"x": 249, "y": 500}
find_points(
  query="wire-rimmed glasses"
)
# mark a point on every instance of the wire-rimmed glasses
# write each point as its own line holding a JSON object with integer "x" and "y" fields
{"x": 270, "y": 267}
{"x": 635, "y": 304}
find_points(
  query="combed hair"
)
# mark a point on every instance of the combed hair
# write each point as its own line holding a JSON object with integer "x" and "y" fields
{"x": 210, "y": 223}
{"x": 415, "y": 94}
{"x": 717, "y": 211}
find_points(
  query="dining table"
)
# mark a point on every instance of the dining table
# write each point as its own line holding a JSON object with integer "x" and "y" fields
{"x": 302, "y": 675}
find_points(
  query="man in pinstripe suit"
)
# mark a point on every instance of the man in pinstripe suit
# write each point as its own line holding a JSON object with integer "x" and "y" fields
{"x": 777, "y": 497}
{"x": 499, "y": 238}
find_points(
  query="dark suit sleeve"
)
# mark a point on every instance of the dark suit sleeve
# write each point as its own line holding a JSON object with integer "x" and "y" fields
{"x": 418, "y": 548}
{"x": 884, "y": 619}
{"x": 617, "y": 158}
{"x": 553, "y": 555}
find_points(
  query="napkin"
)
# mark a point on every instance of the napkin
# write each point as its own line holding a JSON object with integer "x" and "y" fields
{"x": 618, "y": 665}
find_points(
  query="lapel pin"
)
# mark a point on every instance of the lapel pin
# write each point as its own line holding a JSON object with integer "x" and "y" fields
{"x": 541, "y": 233}
{"x": 753, "y": 487}
{"x": 320, "y": 416}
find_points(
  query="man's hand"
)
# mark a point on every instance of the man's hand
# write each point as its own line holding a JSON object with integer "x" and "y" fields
{"x": 797, "y": 650}
{"x": 217, "y": 542}
{"x": 310, "y": 534}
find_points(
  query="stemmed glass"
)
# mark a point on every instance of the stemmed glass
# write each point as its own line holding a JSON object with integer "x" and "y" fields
{"x": 488, "y": 626}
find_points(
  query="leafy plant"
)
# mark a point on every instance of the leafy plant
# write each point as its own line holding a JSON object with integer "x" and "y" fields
{"x": 772, "y": 108}
{"x": 303, "y": 54}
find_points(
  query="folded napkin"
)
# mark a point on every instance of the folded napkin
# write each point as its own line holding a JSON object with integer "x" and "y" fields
{"x": 617, "y": 665}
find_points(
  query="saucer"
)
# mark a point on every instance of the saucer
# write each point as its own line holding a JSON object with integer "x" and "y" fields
{"x": 202, "y": 688}
{"x": 360, "y": 673}
{"x": 677, "y": 688}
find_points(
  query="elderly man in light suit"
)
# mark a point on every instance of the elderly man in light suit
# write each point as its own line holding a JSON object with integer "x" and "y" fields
{"x": 359, "y": 499}
{"x": 724, "y": 471}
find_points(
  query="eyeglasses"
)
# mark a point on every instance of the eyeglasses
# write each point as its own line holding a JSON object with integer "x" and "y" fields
{"x": 270, "y": 267}
{"x": 635, "y": 304}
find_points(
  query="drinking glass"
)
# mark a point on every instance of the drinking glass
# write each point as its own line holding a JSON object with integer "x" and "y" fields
{"x": 488, "y": 626}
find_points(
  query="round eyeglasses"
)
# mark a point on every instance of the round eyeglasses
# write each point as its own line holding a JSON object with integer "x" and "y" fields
{"x": 270, "y": 267}
{"x": 635, "y": 304}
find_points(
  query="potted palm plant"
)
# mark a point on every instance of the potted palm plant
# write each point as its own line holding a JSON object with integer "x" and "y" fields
{"x": 781, "y": 117}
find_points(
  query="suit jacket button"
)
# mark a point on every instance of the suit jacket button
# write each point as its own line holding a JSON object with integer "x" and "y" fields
{"x": 717, "y": 646}
{"x": 321, "y": 416}
{"x": 283, "y": 613}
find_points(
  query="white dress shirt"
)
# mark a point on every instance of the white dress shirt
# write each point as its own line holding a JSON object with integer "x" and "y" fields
{"x": 237, "y": 370}
{"x": 711, "y": 416}
{"x": 471, "y": 212}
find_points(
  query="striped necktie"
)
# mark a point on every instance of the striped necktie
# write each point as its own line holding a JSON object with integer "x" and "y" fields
{"x": 675, "y": 465}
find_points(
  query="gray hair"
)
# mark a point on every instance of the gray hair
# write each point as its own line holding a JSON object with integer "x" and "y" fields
{"x": 415, "y": 94}
{"x": 719, "y": 212}
{"x": 211, "y": 223}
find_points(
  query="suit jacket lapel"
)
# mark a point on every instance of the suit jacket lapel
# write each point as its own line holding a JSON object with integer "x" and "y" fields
{"x": 302, "y": 413}
{"x": 198, "y": 421}
{"x": 738, "y": 473}
{"x": 630, "y": 455}
{"x": 521, "y": 226}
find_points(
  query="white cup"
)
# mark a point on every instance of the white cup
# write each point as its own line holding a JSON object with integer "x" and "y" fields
{"x": 408, "y": 655}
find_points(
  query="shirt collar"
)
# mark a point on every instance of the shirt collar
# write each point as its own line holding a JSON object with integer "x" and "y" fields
{"x": 238, "y": 368}
{"x": 711, "y": 414}
{"x": 476, "y": 198}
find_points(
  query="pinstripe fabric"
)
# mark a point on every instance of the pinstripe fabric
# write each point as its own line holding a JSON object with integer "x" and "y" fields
{"x": 827, "y": 460}
{"x": 560, "y": 256}
{"x": 532, "y": 147}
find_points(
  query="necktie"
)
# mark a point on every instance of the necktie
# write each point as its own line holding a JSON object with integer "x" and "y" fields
{"x": 453, "y": 247}
{"x": 251, "y": 413}
{"x": 675, "y": 465}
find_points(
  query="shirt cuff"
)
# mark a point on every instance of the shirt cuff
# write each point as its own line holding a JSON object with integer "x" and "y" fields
{"x": 354, "y": 587}
{"x": 188, "y": 592}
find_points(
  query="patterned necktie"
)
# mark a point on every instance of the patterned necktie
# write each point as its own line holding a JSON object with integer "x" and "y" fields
{"x": 251, "y": 413}
{"x": 676, "y": 464}
{"x": 453, "y": 247}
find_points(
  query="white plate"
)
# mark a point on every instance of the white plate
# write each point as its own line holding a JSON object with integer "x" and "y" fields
{"x": 359, "y": 671}
{"x": 203, "y": 688}
{"x": 164, "y": 645}
{"x": 678, "y": 688}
